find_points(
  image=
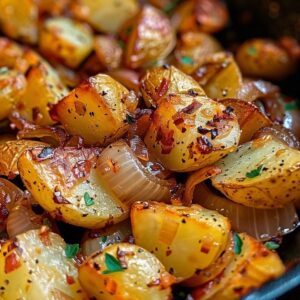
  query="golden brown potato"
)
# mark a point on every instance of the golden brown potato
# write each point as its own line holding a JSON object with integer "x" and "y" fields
{"x": 159, "y": 82}
{"x": 19, "y": 20}
{"x": 103, "y": 15}
{"x": 9, "y": 53}
{"x": 125, "y": 271}
{"x": 250, "y": 269}
{"x": 66, "y": 40}
{"x": 149, "y": 37}
{"x": 65, "y": 183}
{"x": 185, "y": 239}
{"x": 188, "y": 133}
{"x": 43, "y": 89}
{"x": 12, "y": 85}
{"x": 264, "y": 59}
{"x": 127, "y": 77}
{"x": 108, "y": 51}
{"x": 34, "y": 266}
{"x": 96, "y": 110}
{"x": 263, "y": 173}
{"x": 52, "y": 7}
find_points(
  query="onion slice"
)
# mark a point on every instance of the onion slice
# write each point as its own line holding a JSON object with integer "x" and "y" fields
{"x": 127, "y": 177}
{"x": 262, "y": 224}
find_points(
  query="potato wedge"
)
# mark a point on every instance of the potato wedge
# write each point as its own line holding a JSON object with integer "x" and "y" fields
{"x": 103, "y": 15}
{"x": 250, "y": 269}
{"x": 66, "y": 40}
{"x": 188, "y": 133}
{"x": 64, "y": 182}
{"x": 140, "y": 275}
{"x": 43, "y": 89}
{"x": 34, "y": 266}
{"x": 10, "y": 151}
{"x": 185, "y": 239}
{"x": 19, "y": 20}
{"x": 159, "y": 82}
{"x": 96, "y": 110}
{"x": 263, "y": 173}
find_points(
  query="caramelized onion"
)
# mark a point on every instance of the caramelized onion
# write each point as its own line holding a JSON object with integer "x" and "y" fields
{"x": 127, "y": 177}
{"x": 262, "y": 224}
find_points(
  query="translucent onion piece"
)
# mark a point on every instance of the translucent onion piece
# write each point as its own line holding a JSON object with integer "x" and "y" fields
{"x": 127, "y": 177}
{"x": 262, "y": 224}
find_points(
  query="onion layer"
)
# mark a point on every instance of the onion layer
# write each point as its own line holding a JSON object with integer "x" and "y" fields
{"x": 127, "y": 177}
{"x": 262, "y": 224}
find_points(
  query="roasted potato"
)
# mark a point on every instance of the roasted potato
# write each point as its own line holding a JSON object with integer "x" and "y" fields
{"x": 96, "y": 110}
{"x": 149, "y": 37}
{"x": 105, "y": 16}
{"x": 263, "y": 58}
{"x": 43, "y": 89}
{"x": 263, "y": 173}
{"x": 34, "y": 266}
{"x": 12, "y": 85}
{"x": 125, "y": 271}
{"x": 65, "y": 183}
{"x": 127, "y": 77}
{"x": 188, "y": 133}
{"x": 254, "y": 266}
{"x": 66, "y": 40}
{"x": 19, "y": 20}
{"x": 194, "y": 234}
{"x": 52, "y": 7}
{"x": 159, "y": 82}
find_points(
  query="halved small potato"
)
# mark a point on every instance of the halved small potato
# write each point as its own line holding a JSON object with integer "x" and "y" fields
{"x": 263, "y": 173}
{"x": 190, "y": 132}
{"x": 250, "y": 269}
{"x": 185, "y": 239}
{"x": 66, "y": 40}
{"x": 65, "y": 183}
{"x": 96, "y": 110}
{"x": 34, "y": 266}
{"x": 140, "y": 275}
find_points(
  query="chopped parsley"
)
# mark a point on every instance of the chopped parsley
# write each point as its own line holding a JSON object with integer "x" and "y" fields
{"x": 170, "y": 6}
{"x": 252, "y": 51}
{"x": 271, "y": 245}
{"x": 71, "y": 250}
{"x": 255, "y": 172}
{"x": 294, "y": 105}
{"x": 186, "y": 60}
{"x": 130, "y": 119}
{"x": 87, "y": 199}
{"x": 104, "y": 239}
{"x": 238, "y": 243}
{"x": 112, "y": 264}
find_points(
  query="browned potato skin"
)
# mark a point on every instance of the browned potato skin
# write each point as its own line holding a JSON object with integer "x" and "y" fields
{"x": 129, "y": 78}
{"x": 151, "y": 37}
{"x": 96, "y": 110}
{"x": 264, "y": 59}
{"x": 250, "y": 269}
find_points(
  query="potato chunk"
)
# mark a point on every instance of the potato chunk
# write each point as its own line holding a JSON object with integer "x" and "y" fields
{"x": 125, "y": 271}
{"x": 34, "y": 266}
{"x": 250, "y": 269}
{"x": 185, "y": 239}
{"x": 66, "y": 40}
{"x": 96, "y": 110}
{"x": 65, "y": 183}
{"x": 264, "y": 173}
{"x": 188, "y": 133}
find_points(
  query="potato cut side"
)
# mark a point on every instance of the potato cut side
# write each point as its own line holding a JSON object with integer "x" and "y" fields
{"x": 34, "y": 266}
{"x": 250, "y": 269}
{"x": 65, "y": 183}
{"x": 139, "y": 275}
{"x": 95, "y": 110}
{"x": 185, "y": 239}
{"x": 66, "y": 40}
{"x": 264, "y": 173}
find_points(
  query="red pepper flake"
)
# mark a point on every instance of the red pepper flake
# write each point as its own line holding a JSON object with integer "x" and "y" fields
{"x": 70, "y": 279}
{"x": 12, "y": 263}
{"x": 58, "y": 198}
{"x": 191, "y": 108}
{"x": 44, "y": 236}
{"x": 165, "y": 137}
{"x": 163, "y": 88}
{"x": 204, "y": 145}
{"x": 82, "y": 168}
{"x": 178, "y": 121}
{"x": 205, "y": 249}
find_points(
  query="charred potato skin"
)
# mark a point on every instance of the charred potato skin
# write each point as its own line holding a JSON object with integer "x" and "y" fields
{"x": 143, "y": 268}
{"x": 169, "y": 232}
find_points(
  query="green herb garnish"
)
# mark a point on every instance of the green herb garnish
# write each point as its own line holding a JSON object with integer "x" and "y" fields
{"x": 87, "y": 199}
{"x": 121, "y": 44}
{"x": 170, "y": 6}
{"x": 71, "y": 250}
{"x": 186, "y": 60}
{"x": 271, "y": 245}
{"x": 291, "y": 106}
{"x": 252, "y": 51}
{"x": 255, "y": 172}
{"x": 112, "y": 264}
{"x": 47, "y": 222}
{"x": 3, "y": 70}
{"x": 238, "y": 243}
{"x": 130, "y": 119}
{"x": 104, "y": 239}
